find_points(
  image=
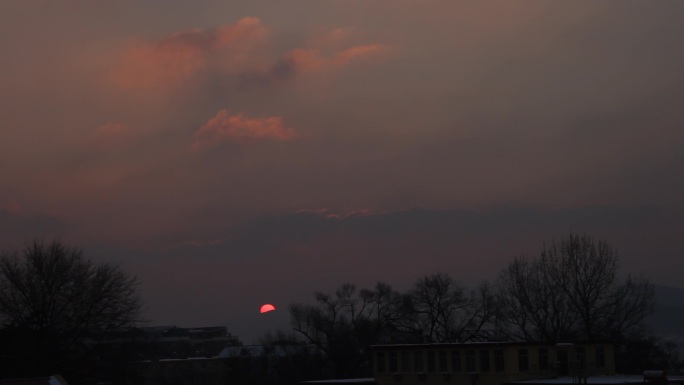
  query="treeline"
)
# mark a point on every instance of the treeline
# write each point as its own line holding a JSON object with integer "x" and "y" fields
{"x": 573, "y": 291}
{"x": 56, "y": 306}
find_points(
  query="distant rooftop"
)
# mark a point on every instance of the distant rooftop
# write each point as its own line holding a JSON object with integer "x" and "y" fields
{"x": 52, "y": 380}
{"x": 355, "y": 381}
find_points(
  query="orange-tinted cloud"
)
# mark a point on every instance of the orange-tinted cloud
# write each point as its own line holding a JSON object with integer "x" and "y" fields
{"x": 186, "y": 57}
{"x": 313, "y": 59}
{"x": 238, "y": 128}
{"x": 182, "y": 56}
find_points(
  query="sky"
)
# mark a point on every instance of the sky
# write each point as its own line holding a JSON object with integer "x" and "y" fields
{"x": 233, "y": 153}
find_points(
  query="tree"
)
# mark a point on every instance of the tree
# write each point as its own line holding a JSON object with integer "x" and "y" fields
{"x": 573, "y": 291}
{"x": 444, "y": 311}
{"x": 344, "y": 324}
{"x": 57, "y": 305}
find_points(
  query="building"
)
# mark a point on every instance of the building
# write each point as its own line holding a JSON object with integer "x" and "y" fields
{"x": 488, "y": 363}
{"x": 52, "y": 380}
{"x": 183, "y": 371}
{"x": 168, "y": 342}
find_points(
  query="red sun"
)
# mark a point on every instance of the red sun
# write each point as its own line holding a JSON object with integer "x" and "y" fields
{"x": 266, "y": 308}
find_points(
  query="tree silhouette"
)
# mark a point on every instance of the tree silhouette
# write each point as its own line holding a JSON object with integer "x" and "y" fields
{"x": 444, "y": 311}
{"x": 573, "y": 291}
{"x": 344, "y": 324}
{"x": 55, "y": 305}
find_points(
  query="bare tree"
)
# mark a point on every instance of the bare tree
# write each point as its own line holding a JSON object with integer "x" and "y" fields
{"x": 573, "y": 290}
{"x": 59, "y": 302}
{"x": 344, "y": 324}
{"x": 533, "y": 306}
{"x": 446, "y": 312}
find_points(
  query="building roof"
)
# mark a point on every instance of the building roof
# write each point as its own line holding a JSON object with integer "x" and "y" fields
{"x": 343, "y": 381}
{"x": 52, "y": 380}
{"x": 483, "y": 344}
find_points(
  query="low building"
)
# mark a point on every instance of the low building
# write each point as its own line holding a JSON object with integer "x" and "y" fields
{"x": 184, "y": 371}
{"x": 488, "y": 363}
{"x": 52, "y": 380}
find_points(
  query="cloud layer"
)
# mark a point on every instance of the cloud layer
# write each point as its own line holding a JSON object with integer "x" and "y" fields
{"x": 135, "y": 125}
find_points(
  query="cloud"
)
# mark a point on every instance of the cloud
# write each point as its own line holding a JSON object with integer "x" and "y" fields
{"x": 244, "y": 50}
{"x": 238, "y": 128}
{"x": 180, "y": 57}
{"x": 302, "y": 60}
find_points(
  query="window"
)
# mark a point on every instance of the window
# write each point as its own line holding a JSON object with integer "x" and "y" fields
{"x": 405, "y": 362}
{"x": 380, "y": 365}
{"x": 600, "y": 357}
{"x": 523, "y": 363}
{"x": 418, "y": 361}
{"x": 431, "y": 361}
{"x": 499, "y": 360}
{"x": 484, "y": 360}
{"x": 393, "y": 365}
{"x": 543, "y": 359}
{"x": 470, "y": 360}
{"x": 581, "y": 356}
{"x": 456, "y": 361}
{"x": 443, "y": 361}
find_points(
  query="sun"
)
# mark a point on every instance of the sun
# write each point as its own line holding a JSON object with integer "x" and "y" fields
{"x": 265, "y": 308}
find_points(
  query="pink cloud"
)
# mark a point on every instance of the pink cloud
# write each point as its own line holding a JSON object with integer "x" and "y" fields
{"x": 183, "y": 56}
{"x": 191, "y": 57}
{"x": 238, "y": 128}
{"x": 313, "y": 59}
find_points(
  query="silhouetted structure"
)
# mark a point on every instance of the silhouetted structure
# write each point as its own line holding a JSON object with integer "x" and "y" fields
{"x": 488, "y": 363}
{"x": 51, "y": 380}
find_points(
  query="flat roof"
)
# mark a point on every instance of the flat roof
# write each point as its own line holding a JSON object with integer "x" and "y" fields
{"x": 490, "y": 343}
{"x": 356, "y": 381}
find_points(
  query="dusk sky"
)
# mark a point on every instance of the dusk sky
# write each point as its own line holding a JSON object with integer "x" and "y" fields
{"x": 233, "y": 153}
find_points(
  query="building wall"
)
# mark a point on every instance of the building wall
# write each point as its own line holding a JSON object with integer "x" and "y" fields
{"x": 207, "y": 371}
{"x": 487, "y": 363}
